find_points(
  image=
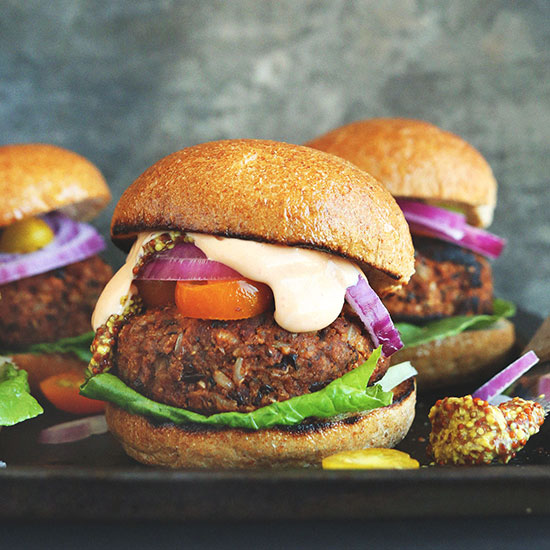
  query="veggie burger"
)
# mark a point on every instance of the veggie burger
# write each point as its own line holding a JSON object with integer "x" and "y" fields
{"x": 245, "y": 329}
{"x": 50, "y": 274}
{"x": 450, "y": 324}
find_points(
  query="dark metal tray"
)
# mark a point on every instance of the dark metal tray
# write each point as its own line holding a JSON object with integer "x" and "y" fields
{"x": 93, "y": 479}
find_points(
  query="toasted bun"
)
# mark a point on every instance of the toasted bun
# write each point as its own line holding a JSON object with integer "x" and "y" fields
{"x": 272, "y": 192}
{"x": 41, "y": 366}
{"x": 467, "y": 356}
{"x": 416, "y": 159}
{"x": 36, "y": 178}
{"x": 197, "y": 446}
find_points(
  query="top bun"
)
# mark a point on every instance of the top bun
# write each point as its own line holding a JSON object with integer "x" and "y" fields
{"x": 416, "y": 159}
{"x": 272, "y": 192}
{"x": 36, "y": 178}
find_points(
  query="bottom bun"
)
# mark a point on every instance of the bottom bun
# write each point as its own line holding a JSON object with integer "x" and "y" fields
{"x": 41, "y": 366}
{"x": 204, "y": 446}
{"x": 469, "y": 355}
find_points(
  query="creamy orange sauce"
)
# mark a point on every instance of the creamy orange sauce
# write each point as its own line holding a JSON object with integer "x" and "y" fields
{"x": 309, "y": 286}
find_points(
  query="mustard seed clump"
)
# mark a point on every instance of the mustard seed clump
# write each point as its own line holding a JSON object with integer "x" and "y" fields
{"x": 467, "y": 430}
{"x": 105, "y": 339}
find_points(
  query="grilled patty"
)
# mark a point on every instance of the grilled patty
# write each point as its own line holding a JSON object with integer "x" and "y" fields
{"x": 217, "y": 366}
{"x": 52, "y": 305}
{"x": 449, "y": 280}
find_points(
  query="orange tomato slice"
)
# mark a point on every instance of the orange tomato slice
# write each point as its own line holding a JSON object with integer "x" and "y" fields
{"x": 62, "y": 390}
{"x": 224, "y": 300}
{"x": 156, "y": 293}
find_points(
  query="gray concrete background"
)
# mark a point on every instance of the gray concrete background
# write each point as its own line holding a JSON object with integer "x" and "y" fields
{"x": 126, "y": 82}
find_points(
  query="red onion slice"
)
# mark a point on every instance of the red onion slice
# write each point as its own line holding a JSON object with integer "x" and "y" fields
{"x": 72, "y": 243}
{"x": 397, "y": 374}
{"x": 506, "y": 377}
{"x": 451, "y": 227}
{"x": 366, "y": 303}
{"x": 543, "y": 386}
{"x": 74, "y": 430}
{"x": 483, "y": 242}
{"x": 185, "y": 262}
{"x": 440, "y": 220}
{"x": 182, "y": 250}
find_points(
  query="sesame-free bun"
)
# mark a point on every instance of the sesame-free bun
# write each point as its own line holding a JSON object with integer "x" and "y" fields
{"x": 415, "y": 159}
{"x": 36, "y": 178}
{"x": 472, "y": 354}
{"x": 41, "y": 366}
{"x": 198, "y": 446}
{"x": 272, "y": 192}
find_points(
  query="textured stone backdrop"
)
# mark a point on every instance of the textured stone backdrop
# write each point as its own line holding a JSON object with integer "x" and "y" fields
{"x": 125, "y": 82}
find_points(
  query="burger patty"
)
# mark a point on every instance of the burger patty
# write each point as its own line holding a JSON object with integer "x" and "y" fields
{"x": 218, "y": 366}
{"x": 449, "y": 280}
{"x": 51, "y": 305}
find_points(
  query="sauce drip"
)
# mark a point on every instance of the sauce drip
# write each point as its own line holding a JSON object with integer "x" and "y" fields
{"x": 309, "y": 286}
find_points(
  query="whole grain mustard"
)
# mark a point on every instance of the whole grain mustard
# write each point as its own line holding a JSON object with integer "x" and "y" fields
{"x": 467, "y": 430}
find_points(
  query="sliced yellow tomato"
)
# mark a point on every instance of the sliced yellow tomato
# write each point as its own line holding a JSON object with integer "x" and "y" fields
{"x": 26, "y": 236}
{"x": 224, "y": 300}
{"x": 370, "y": 459}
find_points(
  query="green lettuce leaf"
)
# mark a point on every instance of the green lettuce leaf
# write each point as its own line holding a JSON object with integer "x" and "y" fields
{"x": 79, "y": 345}
{"x": 347, "y": 394}
{"x": 414, "y": 335}
{"x": 16, "y": 403}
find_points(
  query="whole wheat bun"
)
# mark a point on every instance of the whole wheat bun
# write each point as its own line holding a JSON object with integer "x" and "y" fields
{"x": 195, "y": 446}
{"x": 473, "y": 354}
{"x": 415, "y": 159}
{"x": 41, "y": 366}
{"x": 36, "y": 178}
{"x": 272, "y": 192}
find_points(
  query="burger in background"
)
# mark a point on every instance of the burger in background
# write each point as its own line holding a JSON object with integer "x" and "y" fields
{"x": 50, "y": 274}
{"x": 244, "y": 329}
{"x": 450, "y": 324}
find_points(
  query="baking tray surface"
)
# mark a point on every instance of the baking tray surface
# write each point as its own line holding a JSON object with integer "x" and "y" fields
{"x": 94, "y": 479}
